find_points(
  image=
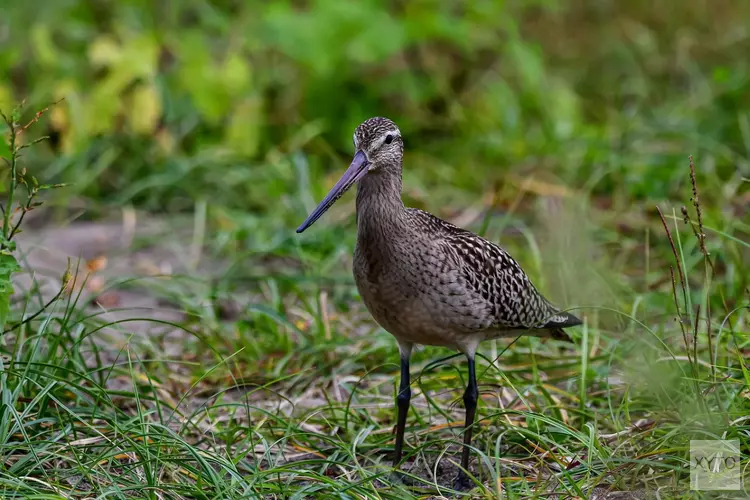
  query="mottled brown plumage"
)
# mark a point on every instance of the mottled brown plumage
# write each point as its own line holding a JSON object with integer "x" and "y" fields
{"x": 427, "y": 281}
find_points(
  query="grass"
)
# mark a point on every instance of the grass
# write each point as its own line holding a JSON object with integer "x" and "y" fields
{"x": 295, "y": 397}
{"x": 255, "y": 371}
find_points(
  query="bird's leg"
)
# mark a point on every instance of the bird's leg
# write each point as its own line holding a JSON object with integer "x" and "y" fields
{"x": 471, "y": 396}
{"x": 402, "y": 401}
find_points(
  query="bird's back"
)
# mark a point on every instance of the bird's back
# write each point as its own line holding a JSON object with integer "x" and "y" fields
{"x": 494, "y": 275}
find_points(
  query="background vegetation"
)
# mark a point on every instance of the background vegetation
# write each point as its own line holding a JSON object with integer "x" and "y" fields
{"x": 555, "y": 127}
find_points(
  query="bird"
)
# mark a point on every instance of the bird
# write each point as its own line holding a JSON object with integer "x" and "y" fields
{"x": 427, "y": 281}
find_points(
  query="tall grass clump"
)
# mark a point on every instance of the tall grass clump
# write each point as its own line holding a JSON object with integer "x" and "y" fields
{"x": 68, "y": 425}
{"x": 705, "y": 386}
{"x": 22, "y": 191}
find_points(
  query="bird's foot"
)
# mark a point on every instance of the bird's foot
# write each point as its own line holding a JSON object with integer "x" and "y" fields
{"x": 462, "y": 482}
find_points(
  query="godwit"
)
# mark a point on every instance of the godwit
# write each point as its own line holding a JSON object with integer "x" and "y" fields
{"x": 428, "y": 282}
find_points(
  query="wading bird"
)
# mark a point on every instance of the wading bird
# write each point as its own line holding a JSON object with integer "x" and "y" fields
{"x": 428, "y": 282}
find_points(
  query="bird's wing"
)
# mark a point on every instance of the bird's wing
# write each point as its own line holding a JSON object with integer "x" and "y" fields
{"x": 491, "y": 273}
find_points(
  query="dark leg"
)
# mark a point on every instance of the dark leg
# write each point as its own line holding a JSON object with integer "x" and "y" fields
{"x": 402, "y": 401}
{"x": 471, "y": 396}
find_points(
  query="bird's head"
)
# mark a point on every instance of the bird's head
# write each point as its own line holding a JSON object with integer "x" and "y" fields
{"x": 377, "y": 144}
{"x": 379, "y": 139}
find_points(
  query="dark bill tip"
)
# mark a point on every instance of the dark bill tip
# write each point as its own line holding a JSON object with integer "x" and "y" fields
{"x": 357, "y": 169}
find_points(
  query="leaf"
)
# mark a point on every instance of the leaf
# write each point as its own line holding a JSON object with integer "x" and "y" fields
{"x": 529, "y": 64}
{"x": 145, "y": 109}
{"x": 4, "y": 149}
{"x": 235, "y": 74}
{"x": 43, "y": 45}
{"x": 104, "y": 51}
{"x": 44, "y": 187}
{"x": 243, "y": 132}
{"x": 6, "y": 103}
{"x": 8, "y": 266}
{"x": 6, "y": 245}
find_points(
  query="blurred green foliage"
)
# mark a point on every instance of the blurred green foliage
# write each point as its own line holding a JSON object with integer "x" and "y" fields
{"x": 169, "y": 102}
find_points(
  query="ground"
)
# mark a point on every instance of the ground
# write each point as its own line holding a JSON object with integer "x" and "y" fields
{"x": 175, "y": 383}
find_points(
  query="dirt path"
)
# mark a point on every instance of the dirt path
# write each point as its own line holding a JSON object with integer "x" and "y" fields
{"x": 117, "y": 267}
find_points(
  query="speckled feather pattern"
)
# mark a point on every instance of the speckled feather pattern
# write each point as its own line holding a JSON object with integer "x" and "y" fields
{"x": 427, "y": 281}
{"x": 491, "y": 273}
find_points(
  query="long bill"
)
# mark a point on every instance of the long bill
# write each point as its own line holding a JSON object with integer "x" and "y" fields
{"x": 357, "y": 169}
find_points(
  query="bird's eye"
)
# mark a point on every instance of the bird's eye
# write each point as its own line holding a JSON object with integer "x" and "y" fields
{"x": 388, "y": 139}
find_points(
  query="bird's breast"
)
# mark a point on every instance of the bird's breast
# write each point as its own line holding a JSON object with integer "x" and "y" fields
{"x": 412, "y": 292}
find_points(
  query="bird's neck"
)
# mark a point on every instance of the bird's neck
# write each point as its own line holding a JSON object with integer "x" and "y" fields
{"x": 379, "y": 199}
